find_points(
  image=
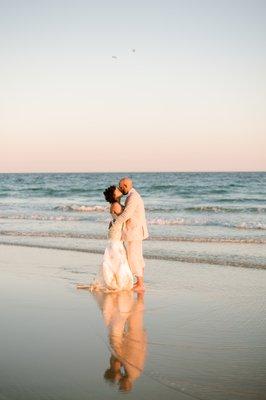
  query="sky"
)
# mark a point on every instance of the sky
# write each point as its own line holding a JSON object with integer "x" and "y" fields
{"x": 186, "y": 91}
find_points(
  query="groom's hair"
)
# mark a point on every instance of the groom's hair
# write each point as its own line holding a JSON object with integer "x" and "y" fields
{"x": 109, "y": 194}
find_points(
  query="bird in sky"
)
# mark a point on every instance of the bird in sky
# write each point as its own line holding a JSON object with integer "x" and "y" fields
{"x": 116, "y": 58}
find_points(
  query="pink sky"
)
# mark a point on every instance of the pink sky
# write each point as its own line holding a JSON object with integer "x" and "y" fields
{"x": 191, "y": 97}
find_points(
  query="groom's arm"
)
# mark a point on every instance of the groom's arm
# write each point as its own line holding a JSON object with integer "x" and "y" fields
{"x": 128, "y": 211}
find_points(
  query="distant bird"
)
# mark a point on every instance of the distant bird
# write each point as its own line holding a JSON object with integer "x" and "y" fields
{"x": 115, "y": 57}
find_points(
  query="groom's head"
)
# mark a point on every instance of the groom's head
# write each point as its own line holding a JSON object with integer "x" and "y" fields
{"x": 125, "y": 185}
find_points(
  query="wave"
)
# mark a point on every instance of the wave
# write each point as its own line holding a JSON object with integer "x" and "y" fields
{"x": 195, "y": 239}
{"x": 154, "y": 221}
{"x": 82, "y": 207}
{"x": 55, "y": 235}
{"x": 217, "y": 209}
{"x": 206, "y": 208}
{"x": 216, "y": 191}
{"x": 183, "y": 221}
{"x": 240, "y": 200}
{"x": 162, "y": 208}
{"x": 188, "y": 190}
{"x": 247, "y": 225}
{"x": 39, "y": 217}
{"x": 202, "y": 239}
{"x": 177, "y": 258}
{"x": 162, "y": 221}
{"x": 208, "y": 260}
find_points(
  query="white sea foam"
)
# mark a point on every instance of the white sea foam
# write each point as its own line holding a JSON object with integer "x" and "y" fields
{"x": 162, "y": 221}
{"x": 82, "y": 208}
{"x": 93, "y": 236}
{"x": 38, "y": 217}
{"x": 250, "y": 225}
{"x": 153, "y": 221}
{"x": 206, "y": 222}
{"x": 222, "y": 209}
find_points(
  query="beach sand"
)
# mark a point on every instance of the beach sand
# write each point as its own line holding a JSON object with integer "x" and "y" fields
{"x": 198, "y": 333}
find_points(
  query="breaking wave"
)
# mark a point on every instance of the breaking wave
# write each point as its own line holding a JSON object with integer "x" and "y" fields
{"x": 39, "y": 217}
{"x": 82, "y": 208}
{"x": 235, "y": 209}
{"x": 188, "y": 238}
{"x": 191, "y": 222}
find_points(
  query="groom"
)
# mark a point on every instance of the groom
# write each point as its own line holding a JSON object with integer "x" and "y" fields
{"x": 134, "y": 231}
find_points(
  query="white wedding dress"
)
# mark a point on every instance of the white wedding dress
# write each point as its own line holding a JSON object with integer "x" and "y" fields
{"x": 115, "y": 273}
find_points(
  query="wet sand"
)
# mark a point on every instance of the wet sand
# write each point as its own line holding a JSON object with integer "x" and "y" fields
{"x": 198, "y": 333}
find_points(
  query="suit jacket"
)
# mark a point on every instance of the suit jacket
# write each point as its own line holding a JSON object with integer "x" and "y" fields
{"x": 133, "y": 218}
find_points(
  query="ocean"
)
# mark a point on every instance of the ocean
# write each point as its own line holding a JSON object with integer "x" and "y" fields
{"x": 202, "y": 218}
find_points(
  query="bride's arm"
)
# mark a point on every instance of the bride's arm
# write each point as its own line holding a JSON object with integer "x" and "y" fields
{"x": 127, "y": 213}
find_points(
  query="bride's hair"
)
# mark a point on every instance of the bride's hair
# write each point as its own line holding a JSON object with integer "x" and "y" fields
{"x": 109, "y": 194}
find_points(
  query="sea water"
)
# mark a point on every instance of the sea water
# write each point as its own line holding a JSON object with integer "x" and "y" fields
{"x": 209, "y": 218}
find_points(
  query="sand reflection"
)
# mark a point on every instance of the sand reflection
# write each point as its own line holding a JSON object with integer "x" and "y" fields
{"x": 123, "y": 315}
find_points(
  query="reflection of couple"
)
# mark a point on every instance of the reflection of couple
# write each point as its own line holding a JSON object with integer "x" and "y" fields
{"x": 123, "y": 315}
{"x": 123, "y": 256}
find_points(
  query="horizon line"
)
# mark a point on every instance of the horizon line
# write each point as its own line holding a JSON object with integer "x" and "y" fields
{"x": 133, "y": 172}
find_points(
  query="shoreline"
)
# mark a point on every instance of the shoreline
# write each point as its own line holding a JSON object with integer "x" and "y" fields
{"x": 146, "y": 256}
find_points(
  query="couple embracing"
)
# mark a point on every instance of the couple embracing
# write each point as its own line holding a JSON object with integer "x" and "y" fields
{"x": 123, "y": 257}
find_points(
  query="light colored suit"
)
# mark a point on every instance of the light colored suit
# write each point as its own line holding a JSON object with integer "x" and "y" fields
{"x": 134, "y": 230}
{"x": 133, "y": 218}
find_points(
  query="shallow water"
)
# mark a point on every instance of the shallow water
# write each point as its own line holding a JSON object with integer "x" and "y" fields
{"x": 202, "y": 330}
{"x": 220, "y": 215}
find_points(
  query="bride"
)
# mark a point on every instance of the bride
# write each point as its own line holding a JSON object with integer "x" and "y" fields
{"x": 114, "y": 273}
